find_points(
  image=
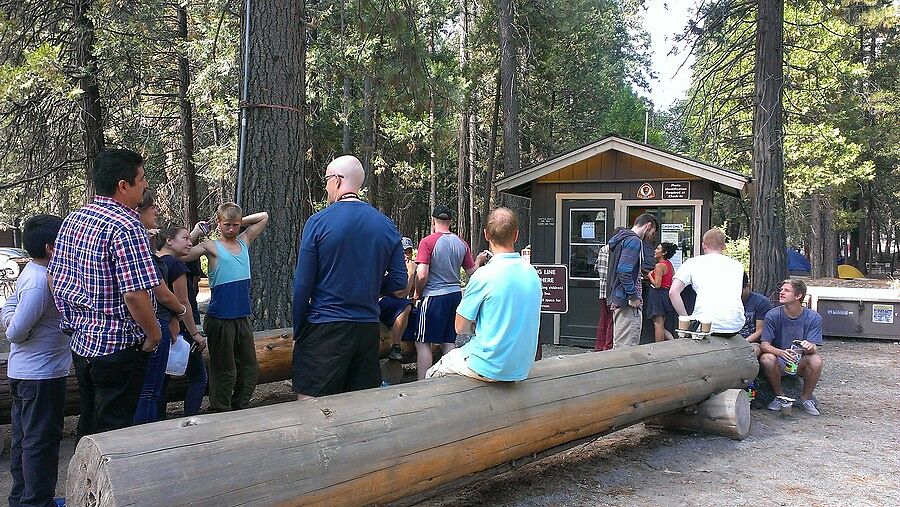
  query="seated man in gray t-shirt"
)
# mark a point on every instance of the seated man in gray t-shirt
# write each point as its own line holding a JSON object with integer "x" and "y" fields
{"x": 791, "y": 335}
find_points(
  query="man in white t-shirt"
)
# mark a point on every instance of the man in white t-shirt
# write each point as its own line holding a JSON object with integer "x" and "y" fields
{"x": 717, "y": 280}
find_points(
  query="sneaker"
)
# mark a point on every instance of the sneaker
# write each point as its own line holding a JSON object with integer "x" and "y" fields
{"x": 395, "y": 353}
{"x": 775, "y": 405}
{"x": 808, "y": 406}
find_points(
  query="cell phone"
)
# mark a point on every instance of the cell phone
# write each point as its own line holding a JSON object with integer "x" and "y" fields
{"x": 204, "y": 227}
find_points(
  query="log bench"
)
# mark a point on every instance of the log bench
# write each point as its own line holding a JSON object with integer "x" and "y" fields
{"x": 380, "y": 445}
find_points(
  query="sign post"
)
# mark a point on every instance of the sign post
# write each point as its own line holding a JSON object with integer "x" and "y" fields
{"x": 554, "y": 286}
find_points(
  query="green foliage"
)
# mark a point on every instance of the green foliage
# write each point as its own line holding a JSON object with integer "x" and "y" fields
{"x": 739, "y": 249}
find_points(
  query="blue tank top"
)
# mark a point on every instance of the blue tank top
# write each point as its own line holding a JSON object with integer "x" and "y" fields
{"x": 229, "y": 284}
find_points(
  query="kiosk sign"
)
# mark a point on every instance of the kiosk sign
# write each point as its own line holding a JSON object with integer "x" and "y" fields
{"x": 555, "y": 287}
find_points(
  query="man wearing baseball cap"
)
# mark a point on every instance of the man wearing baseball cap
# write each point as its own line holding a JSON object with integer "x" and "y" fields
{"x": 440, "y": 256}
{"x": 396, "y": 307}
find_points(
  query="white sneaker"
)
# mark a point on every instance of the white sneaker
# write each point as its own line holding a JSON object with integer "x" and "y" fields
{"x": 775, "y": 405}
{"x": 809, "y": 407}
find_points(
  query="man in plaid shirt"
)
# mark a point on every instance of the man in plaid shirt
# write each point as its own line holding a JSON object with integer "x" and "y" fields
{"x": 101, "y": 274}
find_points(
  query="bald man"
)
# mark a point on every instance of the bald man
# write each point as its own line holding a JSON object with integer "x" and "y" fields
{"x": 350, "y": 254}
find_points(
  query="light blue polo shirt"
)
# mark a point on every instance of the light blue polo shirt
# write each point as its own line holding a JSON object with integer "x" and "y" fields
{"x": 504, "y": 299}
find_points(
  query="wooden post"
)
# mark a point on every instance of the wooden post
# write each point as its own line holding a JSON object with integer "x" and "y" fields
{"x": 726, "y": 414}
{"x": 379, "y": 445}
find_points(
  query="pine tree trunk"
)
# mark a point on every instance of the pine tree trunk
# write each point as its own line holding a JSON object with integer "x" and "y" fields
{"x": 345, "y": 102}
{"x": 492, "y": 158}
{"x": 368, "y": 141}
{"x": 186, "y": 126}
{"x": 829, "y": 240}
{"x": 767, "y": 236}
{"x": 816, "y": 236}
{"x": 86, "y": 76}
{"x": 462, "y": 177}
{"x": 275, "y": 172}
{"x": 509, "y": 89}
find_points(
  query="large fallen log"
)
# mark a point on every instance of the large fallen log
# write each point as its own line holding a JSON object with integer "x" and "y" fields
{"x": 274, "y": 350}
{"x": 379, "y": 445}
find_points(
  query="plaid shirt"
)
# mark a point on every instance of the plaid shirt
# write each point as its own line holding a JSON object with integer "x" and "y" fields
{"x": 602, "y": 267}
{"x": 101, "y": 253}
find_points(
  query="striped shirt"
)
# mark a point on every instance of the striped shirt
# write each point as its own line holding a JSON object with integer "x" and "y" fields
{"x": 101, "y": 253}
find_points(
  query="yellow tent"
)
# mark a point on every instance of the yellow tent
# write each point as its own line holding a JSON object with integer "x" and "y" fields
{"x": 848, "y": 272}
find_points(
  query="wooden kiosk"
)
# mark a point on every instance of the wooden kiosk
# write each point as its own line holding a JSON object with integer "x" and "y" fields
{"x": 579, "y": 197}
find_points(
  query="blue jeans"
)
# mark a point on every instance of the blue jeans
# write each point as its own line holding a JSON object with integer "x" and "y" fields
{"x": 152, "y": 395}
{"x": 196, "y": 374}
{"x": 38, "y": 407}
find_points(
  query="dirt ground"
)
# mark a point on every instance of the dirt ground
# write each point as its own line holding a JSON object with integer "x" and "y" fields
{"x": 850, "y": 455}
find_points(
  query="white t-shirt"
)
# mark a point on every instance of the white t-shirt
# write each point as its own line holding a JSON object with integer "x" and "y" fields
{"x": 717, "y": 280}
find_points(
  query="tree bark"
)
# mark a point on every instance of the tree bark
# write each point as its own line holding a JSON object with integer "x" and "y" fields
{"x": 726, "y": 414}
{"x": 91, "y": 114}
{"x": 368, "y": 140}
{"x": 462, "y": 177}
{"x": 509, "y": 87}
{"x": 492, "y": 158}
{"x": 343, "y": 449}
{"x": 275, "y": 173}
{"x": 345, "y": 102}
{"x": 186, "y": 126}
{"x": 816, "y": 236}
{"x": 767, "y": 238}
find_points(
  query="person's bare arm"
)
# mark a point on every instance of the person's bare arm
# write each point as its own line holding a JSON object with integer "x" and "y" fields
{"x": 207, "y": 248}
{"x": 421, "y": 278}
{"x": 254, "y": 224}
{"x": 464, "y": 325}
{"x": 480, "y": 260}
{"x": 196, "y": 233}
{"x": 408, "y": 291}
{"x": 755, "y": 335}
{"x": 181, "y": 291}
{"x": 675, "y": 296}
{"x": 657, "y": 274}
{"x": 141, "y": 308}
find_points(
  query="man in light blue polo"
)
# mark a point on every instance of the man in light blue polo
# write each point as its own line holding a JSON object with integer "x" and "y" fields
{"x": 502, "y": 305}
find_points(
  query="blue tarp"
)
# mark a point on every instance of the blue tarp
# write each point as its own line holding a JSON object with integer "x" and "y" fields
{"x": 796, "y": 261}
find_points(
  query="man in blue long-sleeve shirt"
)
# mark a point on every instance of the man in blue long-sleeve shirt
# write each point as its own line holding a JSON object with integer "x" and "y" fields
{"x": 350, "y": 254}
{"x": 624, "y": 279}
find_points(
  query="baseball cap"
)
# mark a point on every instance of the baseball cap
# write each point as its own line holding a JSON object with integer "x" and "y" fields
{"x": 441, "y": 212}
{"x": 406, "y": 242}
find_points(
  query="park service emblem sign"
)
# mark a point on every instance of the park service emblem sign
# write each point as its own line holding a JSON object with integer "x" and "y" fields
{"x": 646, "y": 191}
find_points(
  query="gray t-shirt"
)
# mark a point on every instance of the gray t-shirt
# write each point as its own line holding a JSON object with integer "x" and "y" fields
{"x": 444, "y": 253}
{"x": 781, "y": 330}
{"x": 38, "y": 349}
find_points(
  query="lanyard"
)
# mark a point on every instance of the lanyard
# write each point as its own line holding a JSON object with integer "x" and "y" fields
{"x": 349, "y": 195}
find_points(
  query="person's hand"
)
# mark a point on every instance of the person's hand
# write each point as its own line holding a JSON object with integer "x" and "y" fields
{"x": 201, "y": 228}
{"x": 808, "y": 347}
{"x": 153, "y": 232}
{"x": 634, "y": 303}
{"x": 788, "y": 355}
{"x": 199, "y": 342}
{"x": 482, "y": 258}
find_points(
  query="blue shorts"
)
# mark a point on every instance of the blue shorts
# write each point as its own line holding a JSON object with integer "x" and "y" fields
{"x": 437, "y": 318}
{"x": 391, "y": 308}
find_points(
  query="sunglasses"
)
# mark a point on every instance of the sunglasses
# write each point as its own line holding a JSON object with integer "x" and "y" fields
{"x": 327, "y": 176}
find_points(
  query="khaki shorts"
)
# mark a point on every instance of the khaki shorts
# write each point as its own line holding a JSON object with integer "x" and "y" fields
{"x": 454, "y": 363}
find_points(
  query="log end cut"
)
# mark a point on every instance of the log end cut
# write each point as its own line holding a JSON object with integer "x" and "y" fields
{"x": 88, "y": 484}
{"x": 726, "y": 414}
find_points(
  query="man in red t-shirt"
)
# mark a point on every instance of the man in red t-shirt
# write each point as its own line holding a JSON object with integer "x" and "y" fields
{"x": 441, "y": 255}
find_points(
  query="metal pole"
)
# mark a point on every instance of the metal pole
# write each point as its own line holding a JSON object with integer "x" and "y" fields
{"x": 242, "y": 143}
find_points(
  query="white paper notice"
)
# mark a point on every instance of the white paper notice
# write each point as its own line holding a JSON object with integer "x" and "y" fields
{"x": 669, "y": 237}
{"x": 587, "y": 230}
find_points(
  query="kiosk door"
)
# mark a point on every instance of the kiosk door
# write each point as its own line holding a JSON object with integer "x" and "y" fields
{"x": 587, "y": 224}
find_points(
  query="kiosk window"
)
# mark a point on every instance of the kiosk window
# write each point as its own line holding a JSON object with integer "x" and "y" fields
{"x": 587, "y": 233}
